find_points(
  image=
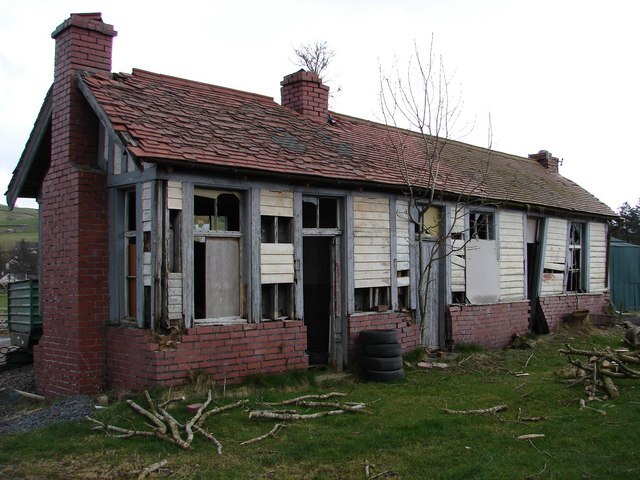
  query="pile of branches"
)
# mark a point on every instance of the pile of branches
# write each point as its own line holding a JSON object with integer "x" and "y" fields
{"x": 600, "y": 368}
{"x": 165, "y": 426}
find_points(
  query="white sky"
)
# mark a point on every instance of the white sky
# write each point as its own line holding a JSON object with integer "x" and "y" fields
{"x": 559, "y": 75}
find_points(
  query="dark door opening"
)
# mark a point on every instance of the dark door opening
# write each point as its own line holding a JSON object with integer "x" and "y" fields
{"x": 318, "y": 304}
{"x": 535, "y": 232}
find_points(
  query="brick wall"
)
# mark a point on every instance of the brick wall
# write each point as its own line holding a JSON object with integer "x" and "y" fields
{"x": 70, "y": 358}
{"x": 557, "y": 308}
{"x": 490, "y": 326}
{"x": 304, "y": 92}
{"x": 408, "y": 331}
{"x": 227, "y": 353}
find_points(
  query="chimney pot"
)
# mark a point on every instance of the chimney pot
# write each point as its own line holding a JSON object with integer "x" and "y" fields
{"x": 544, "y": 158}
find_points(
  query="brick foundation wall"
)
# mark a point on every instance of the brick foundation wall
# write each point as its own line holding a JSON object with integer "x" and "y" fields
{"x": 408, "y": 331}
{"x": 225, "y": 352}
{"x": 490, "y": 326}
{"x": 557, "y": 308}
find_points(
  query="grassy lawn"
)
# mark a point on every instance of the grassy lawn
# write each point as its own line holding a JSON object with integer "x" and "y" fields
{"x": 406, "y": 434}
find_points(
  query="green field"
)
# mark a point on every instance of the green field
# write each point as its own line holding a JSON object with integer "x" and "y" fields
{"x": 16, "y": 225}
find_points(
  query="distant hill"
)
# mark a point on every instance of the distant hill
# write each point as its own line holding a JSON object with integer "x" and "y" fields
{"x": 17, "y": 224}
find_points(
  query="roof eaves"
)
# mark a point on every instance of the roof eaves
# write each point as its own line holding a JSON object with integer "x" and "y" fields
{"x": 27, "y": 159}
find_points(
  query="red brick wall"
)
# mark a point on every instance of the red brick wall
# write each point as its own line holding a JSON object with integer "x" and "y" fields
{"x": 303, "y": 92}
{"x": 229, "y": 352}
{"x": 490, "y": 326}
{"x": 408, "y": 331}
{"x": 557, "y": 308}
{"x": 74, "y": 230}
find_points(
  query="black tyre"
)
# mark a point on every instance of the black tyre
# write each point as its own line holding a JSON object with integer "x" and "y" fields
{"x": 379, "y": 376}
{"x": 382, "y": 364}
{"x": 375, "y": 337}
{"x": 384, "y": 350}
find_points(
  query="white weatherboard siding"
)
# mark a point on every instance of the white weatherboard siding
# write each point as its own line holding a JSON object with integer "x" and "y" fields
{"x": 276, "y": 263}
{"x": 276, "y": 203}
{"x": 554, "y": 257}
{"x": 402, "y": 241}
{"x": 511, "y": 241}
{"x": 146, "y": 207}
{"x": 175, "y": 296}
{"x": 372, "y": 245}
{"x": 597, "y": 247}
{"x": 174, "y": 195}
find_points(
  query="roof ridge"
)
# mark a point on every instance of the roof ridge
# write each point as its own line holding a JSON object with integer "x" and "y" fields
{"x": 184, "y": 82}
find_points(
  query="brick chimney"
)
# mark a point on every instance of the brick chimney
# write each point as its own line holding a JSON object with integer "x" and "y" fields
{"x": 70, "y": 358}
{"x": 304, "y": 92}
{"x": 545, "y": 159}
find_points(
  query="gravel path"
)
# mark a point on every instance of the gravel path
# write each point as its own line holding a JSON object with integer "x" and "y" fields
{"x": 19, "y": 414}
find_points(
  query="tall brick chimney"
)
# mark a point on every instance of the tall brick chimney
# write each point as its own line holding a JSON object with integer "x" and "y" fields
{"x": 545, "y": 159}
{"x": 70, "y": 358}
{"x": 304, "y": 92}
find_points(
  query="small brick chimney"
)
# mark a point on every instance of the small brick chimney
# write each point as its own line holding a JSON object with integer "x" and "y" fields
{"x": 545, "y": 159}
{"x": 70, "y": 358}
{"x": 304, "y": 92}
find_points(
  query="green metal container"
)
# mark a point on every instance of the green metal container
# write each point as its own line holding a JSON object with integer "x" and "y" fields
{"x": 25, "y": 323}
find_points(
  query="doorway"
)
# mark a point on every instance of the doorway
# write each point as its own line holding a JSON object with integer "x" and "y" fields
{"x": 434, "y": 331}
{"x": 320, "y": 292}
{"x": 535, "y": 235}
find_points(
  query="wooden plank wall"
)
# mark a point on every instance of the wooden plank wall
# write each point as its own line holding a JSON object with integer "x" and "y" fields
{"x": 276, "y": 259}
{"x": 372, "y": 243}
{"x": 512, "y": 248}
{"x": 276, "y": 203}
{"x": 597, "y": 248}
{"x": 555, "y": 257}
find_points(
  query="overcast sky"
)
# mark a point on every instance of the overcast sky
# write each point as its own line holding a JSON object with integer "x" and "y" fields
{"x": 558, "y": 75}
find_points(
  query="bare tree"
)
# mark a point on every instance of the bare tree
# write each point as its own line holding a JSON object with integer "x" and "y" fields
{"x": 421, "y": 98}
{"x": 314, "y": 57}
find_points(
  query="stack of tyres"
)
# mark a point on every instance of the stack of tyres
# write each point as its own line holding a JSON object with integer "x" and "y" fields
{"x": 381, "y": 356}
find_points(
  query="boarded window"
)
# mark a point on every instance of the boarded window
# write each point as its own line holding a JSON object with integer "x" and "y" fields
{"x": 372, "y": 242}
{"x": 217, "y": 254}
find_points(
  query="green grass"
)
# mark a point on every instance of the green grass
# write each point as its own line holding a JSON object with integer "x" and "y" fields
{"x": 406, "y": 432}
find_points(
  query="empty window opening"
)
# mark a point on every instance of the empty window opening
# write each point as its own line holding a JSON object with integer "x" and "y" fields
{"x": 575, "y": 262}
{"x": 130, "y": 259}
{"x": 481, "y": 226}
{"x": 320, "y": 212}
{"x": 216, "y": 211}
{"x": 174, "y": 253}
{"x": 431, "y": 222}
{"x": 371, "y": 299}
{"x": 277, "y": 301}
{"x": 276, "y": 229}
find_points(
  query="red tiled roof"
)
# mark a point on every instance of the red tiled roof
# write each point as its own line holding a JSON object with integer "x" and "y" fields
{"x": 199, "y": 124}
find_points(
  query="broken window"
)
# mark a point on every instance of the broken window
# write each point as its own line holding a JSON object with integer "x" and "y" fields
{"x": 431, "y": 221}
{"x": 319, "y": 212}
{"x": 371, "y": 299}
{"x": 276, "y": 229}
{"x": 575, "y": 262}
{"x": 130, "y": 261}
{"x": 217, "y": 254}
{"x": 277, "y": 301}
{"x": 481, "y": 225}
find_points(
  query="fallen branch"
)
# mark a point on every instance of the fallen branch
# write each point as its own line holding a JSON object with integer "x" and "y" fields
{"x": 583, "y": 406}
{"x": 31, "y": 396}
{"x": 531, "y": 436}
{"x": 356, "y": 408}
{"x": 215, "y": 411}
{"x": 152, "y": 468}
{"x": 210, "y": 437}
{"x": 272, "y": 433}
{"x": 484, "y": 411}
{"x": 284, "y": 416}
{"x": 309, "y": 397}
